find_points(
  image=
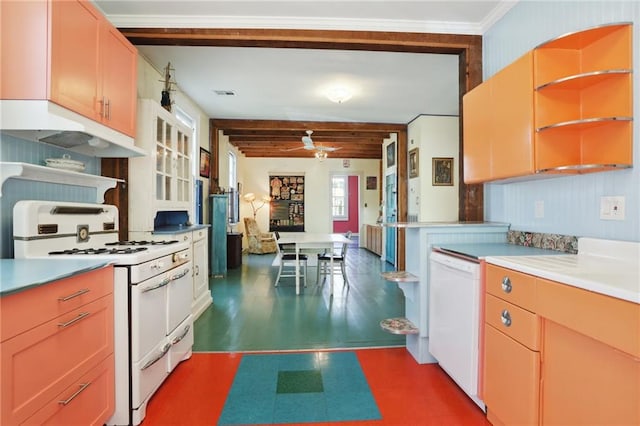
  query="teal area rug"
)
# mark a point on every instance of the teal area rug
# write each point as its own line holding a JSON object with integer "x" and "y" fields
{"x": 299, "y": 388}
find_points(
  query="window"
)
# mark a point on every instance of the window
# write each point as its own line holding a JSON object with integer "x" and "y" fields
{"x": 234, "y": 197}
{"x": 339, "y": 197}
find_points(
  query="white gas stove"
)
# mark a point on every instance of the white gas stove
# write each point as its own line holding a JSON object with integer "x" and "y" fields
{"x": 153, "y": 291}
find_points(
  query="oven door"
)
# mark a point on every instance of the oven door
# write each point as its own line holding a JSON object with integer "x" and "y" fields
{"x": 179, "y": 296}
{"x": 148, "y": 315}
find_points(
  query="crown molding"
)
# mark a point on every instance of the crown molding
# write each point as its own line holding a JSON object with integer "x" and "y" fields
{"x": 278, "y": 22}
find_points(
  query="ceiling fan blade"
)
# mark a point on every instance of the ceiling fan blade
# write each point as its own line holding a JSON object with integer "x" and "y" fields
{"x": 326, "y": 148}
{"x": 295, "y": 149}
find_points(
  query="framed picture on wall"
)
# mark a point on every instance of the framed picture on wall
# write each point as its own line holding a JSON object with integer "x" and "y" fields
{"x": 413, "y": 163}
{"x": 205, "y": 163}
{"x": 372, "y": 182}
{"x": 442, "y": 171}
{"x": 391, "y": 154}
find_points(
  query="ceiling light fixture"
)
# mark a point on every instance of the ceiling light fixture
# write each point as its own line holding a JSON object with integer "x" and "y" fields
{"x": 321, "y": 155}
{"x": 339, "y": 94}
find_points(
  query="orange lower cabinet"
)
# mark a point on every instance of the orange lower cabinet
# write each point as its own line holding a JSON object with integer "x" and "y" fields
{"x": 89, "y": 401}
{"x": 586, "y": 381}
{"x": 511, "y": 380}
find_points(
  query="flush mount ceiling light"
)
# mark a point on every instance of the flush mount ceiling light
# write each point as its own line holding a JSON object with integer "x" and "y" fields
{"x": 339, "y": 94}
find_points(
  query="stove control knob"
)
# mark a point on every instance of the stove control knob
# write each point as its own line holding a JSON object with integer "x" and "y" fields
{"x": 180, "y": 256}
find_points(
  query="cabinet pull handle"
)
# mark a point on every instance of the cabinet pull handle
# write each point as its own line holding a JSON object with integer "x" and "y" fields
{"x": 73, "y": 295}
{"x": 102, "y": 107}
{"x": 505, "y": 316}
{"x": 83, "y": 386}
{"x": 75, "y": 320}
{"x": 165, "y": 349}
{"x": 107, "y": 109}
{"x": 506, "y": 285}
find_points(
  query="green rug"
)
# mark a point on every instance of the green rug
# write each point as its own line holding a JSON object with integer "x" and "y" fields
{"x": 299, "y": 388}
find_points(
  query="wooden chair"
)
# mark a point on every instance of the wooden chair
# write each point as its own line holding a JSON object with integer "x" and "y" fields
{"x": 259, "y": 242}
{"x": 287, "y": 267}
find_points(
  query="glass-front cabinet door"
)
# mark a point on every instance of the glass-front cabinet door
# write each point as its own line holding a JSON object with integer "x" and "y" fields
{"x": 164, "y": 159}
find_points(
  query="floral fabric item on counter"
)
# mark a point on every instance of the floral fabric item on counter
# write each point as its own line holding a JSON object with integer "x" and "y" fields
{"x": 563, "y": 243}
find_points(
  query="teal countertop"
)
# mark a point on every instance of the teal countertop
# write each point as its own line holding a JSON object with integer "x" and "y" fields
{"x": 21, "y": 274}
{"x": 482, "y": 250}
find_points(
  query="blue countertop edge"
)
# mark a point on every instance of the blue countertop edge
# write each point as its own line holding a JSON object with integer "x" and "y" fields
{"x": 483, "y": 250}
{"x": 179, "y": 229}
{"x": 17, "y": 275}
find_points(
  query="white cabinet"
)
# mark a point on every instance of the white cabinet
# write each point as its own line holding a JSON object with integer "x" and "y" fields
{"x": 160, "y": 181}
{"x": 201, "y": 293}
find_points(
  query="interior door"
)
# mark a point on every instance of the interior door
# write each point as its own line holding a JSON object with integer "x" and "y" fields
{"x": 391, "y": 217}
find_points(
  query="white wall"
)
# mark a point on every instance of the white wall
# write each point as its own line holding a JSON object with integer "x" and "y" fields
{"x": 253, "y": 174}
{"x": 434, "y": 136}
{"x": 571, "y": 204}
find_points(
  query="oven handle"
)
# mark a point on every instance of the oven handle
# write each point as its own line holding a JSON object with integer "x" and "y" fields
{"x": 180, "y": 275}
{"x": 162, "y": 283}
{"x": 182, "y": 336}
{"x": 165, "y": 349}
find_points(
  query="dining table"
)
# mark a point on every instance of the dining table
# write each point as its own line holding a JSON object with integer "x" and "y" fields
{"x": 307, "y": 240}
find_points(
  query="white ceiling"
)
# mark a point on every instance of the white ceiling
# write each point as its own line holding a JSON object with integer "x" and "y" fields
{"x": 288, "y": 84}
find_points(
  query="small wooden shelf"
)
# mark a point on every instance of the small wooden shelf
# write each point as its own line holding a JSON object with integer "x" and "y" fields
{"x": 34, "y": 172}
{"x": 400, "y": 277}
{"x": 398, "y": 326}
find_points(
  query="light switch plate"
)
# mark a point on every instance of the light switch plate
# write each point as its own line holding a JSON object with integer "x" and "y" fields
{"x": 612, "y": 208}
{"x": 538, "y": 212}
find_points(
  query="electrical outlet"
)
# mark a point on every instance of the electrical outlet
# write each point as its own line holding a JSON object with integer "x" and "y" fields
{"x": 538, "y": 210}
{"x": 612, "y": 208}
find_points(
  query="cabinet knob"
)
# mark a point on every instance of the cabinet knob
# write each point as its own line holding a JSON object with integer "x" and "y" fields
{"x": 506, "y": 285}
{"x": 505, "y": 316}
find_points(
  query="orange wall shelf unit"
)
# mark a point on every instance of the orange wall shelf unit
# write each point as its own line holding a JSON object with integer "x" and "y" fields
{"x": 568, "y": 108}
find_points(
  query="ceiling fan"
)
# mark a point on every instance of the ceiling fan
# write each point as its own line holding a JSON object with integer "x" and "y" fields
{"x": 310, "y": 146}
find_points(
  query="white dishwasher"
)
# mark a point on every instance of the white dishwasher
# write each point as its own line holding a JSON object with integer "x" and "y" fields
{"x": 454, "y": 319}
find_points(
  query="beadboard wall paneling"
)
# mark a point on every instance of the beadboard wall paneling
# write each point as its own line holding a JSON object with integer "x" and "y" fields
{"x": 24, "y": 151}
{"x": 572, "y": 203}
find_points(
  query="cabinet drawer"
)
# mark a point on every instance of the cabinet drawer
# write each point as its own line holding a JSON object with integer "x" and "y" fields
{"x": 511, "y": 380}
{"x": 89, "y": 401}
{"x": 518, "y": 323}
{"x": 22, "y": 311}
{"x": 512, "y": 286}
{"x": 199, "y": 234}
{"x": 40, "y": 363}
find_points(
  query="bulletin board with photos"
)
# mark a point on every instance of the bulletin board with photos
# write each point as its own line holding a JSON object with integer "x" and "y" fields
{"x": 287, "y": 203}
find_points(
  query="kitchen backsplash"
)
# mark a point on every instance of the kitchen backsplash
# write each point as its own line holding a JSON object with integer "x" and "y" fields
{"x": 563, "y": 243}
{"x": 23, "y": 151}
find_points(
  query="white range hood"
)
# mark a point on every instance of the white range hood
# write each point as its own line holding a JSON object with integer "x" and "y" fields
{"x": 44, "y": 121}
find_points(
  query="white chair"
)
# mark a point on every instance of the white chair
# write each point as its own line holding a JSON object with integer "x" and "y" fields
{"x": 339, "y": 262}
{"x": 287, "y": 268}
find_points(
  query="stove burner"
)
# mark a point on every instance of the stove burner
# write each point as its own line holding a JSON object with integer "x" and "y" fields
{"x": 142, "y": 243}
{"x": 92, "y": 251}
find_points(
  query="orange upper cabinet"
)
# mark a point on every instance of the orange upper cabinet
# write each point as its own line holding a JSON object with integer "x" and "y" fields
{"x": 584, "y": 100}
{"x": 73, "y": 57}
{"x": 498, "y": 124}
{"x": 477, "y": 134}
{"x": 565, "y": 107}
